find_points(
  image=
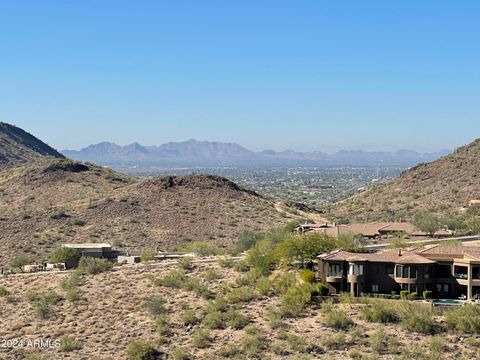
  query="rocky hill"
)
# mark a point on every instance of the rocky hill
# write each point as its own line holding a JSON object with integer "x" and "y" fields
{"x": 444, "y": 185}
{"x": 50, "y": 202}
{"x": 18, "y": 146}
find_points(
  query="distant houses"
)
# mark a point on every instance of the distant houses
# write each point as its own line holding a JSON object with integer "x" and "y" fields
{"x": 377, "y": 230}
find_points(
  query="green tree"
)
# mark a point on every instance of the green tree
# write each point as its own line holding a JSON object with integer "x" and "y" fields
{"x": 65, "y": 255}
{"x": 19, "y": 262}
{"x": 426, "y": 221}
{"x": 261, "y": 257}
{"x": 303, "y": 249}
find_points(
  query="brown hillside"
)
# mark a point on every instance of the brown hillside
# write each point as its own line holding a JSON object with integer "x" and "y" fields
{"x": 61, "y": 201}
{"x": 444, "y": 185}
{"x": 17, "y": 146}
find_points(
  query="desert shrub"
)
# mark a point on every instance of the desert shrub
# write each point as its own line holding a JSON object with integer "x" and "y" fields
{"x": 404, "y": 294}
{"x": 321, "y": 289}
{"x": 227, "y": 263}
{"x": 335, "y": 341}
{"x": 264, "y": 286}
{"x": 416, "y": 318}
{"x": 201, "y": 338}
{"x": 148, "y": 255}
{"x": 65, "y": 255}
{"x": 59, "y": 214}
{"x": 380, "y": 312}
{"x": 261, "y": 256}
{"x": 296, "y": 299}
{"x": 202, "y": 249}
{"x": 4, "y": 292}
{"x": 275, "y": 319}
{"x": 211, "y": 274}
{"x": 185, "y": 263}
{"x": 241, "y": 294}
{"x": 307, "y": 275}
{"x": 213, "y": 320}
{"x": 71, "y": 282}
{"x": 199, "y": 288}
{"x": 296, "y": 343}
{"x": 427, "y": 294}
{"x": 78, "y": 222}
{"x": 155, "y": 304}
{"x": 241, "y": 266}
{"x": 337, "y": 319}
{"x": 180, "y": 353}
{"x": 382, "y": 343}
{"x": 283, "y": 282}
{"x": 438, "y": 345}
{"x": 189, "y": 318}
{"x": 174, "y": 279}
{"x": 141, "y": 350}
{"x": 465, "y": 319}
{"x": 68, "y": 343}
{"x": 229, "y": 351}
{"x": 93, "y": 266}
{"x": 236, "y": 320}
{"x": 43, "y": 302}
{"x": 247, "y": 239}
{"x": 254, "y": 343}
{"x": 162, "y": 325}
{"x": 218, "y": 304}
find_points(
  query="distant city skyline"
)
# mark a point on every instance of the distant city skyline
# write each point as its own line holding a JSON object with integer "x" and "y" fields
{"x": 278, "y": 75}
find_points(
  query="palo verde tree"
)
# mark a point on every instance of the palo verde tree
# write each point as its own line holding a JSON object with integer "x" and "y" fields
{"x": 426, "y": 221}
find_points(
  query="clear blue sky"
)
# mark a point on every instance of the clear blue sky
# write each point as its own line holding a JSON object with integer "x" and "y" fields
{"x": 266, "y": 74}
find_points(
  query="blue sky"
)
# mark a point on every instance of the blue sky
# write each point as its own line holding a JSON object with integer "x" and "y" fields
{"x": 266, "y": 74}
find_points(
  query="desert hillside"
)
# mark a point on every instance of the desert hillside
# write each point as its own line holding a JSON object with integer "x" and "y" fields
{"x": 212, "y": 311}
{"x": 18, "y": 146}
{"x": 50, "y": 202}
{"x": 444, "y": 185}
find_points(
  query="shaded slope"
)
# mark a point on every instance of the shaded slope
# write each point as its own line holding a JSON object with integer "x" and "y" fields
{"x": 17, "y": 146}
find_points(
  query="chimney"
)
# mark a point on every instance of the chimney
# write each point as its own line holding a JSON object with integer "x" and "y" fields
{"x": 399, "y": 252}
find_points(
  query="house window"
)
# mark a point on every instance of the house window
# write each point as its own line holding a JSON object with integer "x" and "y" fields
{"x": 375, "y": 288}
{"x": 445, "y": 288}
{"x": 439, "y": 287}
{"x": 413, "y": 272}
{"x": 355, "y": 269}
{"x": 335, "y": 270}
{"x": 389, "y": 269}
{"x": 398, "y": 271}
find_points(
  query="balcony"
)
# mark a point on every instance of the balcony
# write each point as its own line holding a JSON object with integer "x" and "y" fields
{"x": 335, "y": 278}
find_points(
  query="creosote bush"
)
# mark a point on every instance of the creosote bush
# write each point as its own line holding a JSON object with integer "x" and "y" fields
{"x": 155, "y": 304}
{"x": 465, "y": 319}
{"x": 93, "y": 266}
{"x": 380, "y": 312}
{"x": 296, "y": 299}
{"x": 141, "y": 350}
{"x": 307, "y": 276}
{"x": 68, "y": 343}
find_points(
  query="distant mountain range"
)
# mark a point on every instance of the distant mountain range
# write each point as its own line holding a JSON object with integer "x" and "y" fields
{"x": 207, "y": 153}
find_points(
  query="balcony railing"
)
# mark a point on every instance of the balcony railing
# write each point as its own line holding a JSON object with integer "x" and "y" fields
{"x": 461, "y": 276}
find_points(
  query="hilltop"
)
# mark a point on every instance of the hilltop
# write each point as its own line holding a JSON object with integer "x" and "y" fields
{"x": 443, "y": 186}
{"x": 46, "y": 203}
{"x": 18, "y": 146}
